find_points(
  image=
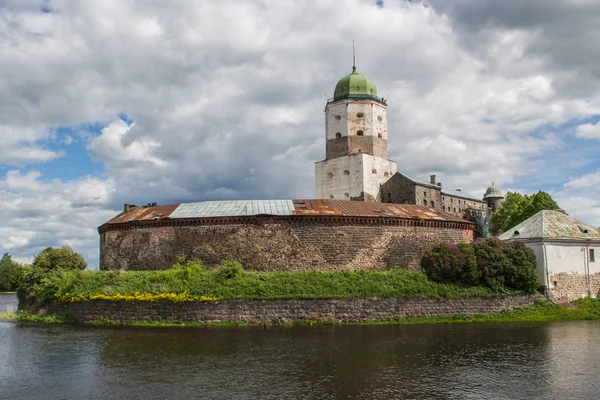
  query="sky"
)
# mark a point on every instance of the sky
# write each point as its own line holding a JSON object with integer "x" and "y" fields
{"x": 122, "y": 101}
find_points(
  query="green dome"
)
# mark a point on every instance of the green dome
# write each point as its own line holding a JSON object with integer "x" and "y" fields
{"x": 493, "y": 192}
{"x": 355, "y": 86}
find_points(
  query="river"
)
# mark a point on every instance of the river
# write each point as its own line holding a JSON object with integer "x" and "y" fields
{"x": 463, "y": 361}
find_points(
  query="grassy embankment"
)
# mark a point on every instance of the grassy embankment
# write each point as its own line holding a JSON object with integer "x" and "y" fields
{"x": 230, "y": 282}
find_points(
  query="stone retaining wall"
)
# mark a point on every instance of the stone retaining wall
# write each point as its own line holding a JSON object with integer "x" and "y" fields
{"x": 286, "y": 311}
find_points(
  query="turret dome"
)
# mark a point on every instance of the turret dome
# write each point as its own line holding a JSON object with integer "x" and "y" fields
{"x": 355, "y": 86}
{"x": 493, "y": 192}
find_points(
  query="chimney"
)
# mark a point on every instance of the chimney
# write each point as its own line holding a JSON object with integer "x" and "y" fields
{"x": 128, "y": 207}
{"x": 432, "y": 179}
{"x": 458, "y": 190}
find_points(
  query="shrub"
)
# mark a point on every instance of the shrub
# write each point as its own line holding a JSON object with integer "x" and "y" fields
{"x": 229, "y": 270}
{"x": 490, "y": 262}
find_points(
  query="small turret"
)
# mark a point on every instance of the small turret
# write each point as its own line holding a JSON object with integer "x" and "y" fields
{"x": 493, "y": 196}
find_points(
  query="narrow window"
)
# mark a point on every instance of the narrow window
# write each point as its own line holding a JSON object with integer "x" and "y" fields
{"x": 330, "y": 174}
{"x": 379, "y": 135}
{"x": 346, "y": 172}
{"x": 424, "y": 194}
{"x": 346, "y": 194}
{"x": 337, "y": 117}
{"x": 331, "y": 196}
{"x": 338, "y": 135}
{"x": 592, "y": 256}
{"x": 443, "y": 208}
{"x": 425, "y": 202}
{"x": 555, "y": 284}
{"x": 432, "y": 204}
{"x": 374, "y": 171}
{"x": 360, "y": 115}
{"x": 454, "y": 209}
{"x": 386, "y": 174}
{"x": 360, "y": 133}
{"x": 379, "y": 118}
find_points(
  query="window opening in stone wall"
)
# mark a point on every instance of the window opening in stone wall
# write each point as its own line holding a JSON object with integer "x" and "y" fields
{"x": 360, "y": 133}
{"x": 432, "y": 204}
{"x": 359, "y": 150}
{"x": 379, "y": 135}
{"x": 454, "y": 209}
{"x": 592, "y": 256}
{"x": 379, "y": 118}
{"x": 331, "y": 196}
{"x": 374, "y": 171}
{"x": 338, "y": 117}
{"x": 338, "y": 135}
{"x": 555, "y": 284}
{"x": 386, "y": 174}
{"x": 346, "y": 172}
{"x": 360, "y": 115}
{"x": 346, "y": 194}
{"x": 424, "y": 194}
{"x": 330, "y": 174}
{"x": 443, "y": 208}
{"x": 425, "y": 202}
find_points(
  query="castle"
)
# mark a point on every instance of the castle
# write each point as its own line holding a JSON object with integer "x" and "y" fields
{"x": 366, "y": 214}
{"x": 356, "y": 166}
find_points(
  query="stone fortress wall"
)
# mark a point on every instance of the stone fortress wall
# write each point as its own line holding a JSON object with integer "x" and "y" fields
{"x": 278, "y": 243}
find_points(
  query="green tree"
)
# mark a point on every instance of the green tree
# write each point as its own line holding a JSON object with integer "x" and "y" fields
{"x": 47, "y": 262}
{"x": 516, "y": 208}
{"x": 10, "y": 273}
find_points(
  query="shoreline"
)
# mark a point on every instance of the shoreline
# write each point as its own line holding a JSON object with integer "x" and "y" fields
{"x": 541, "y": 311}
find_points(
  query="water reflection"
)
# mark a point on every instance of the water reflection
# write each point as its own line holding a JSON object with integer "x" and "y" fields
{"x": 470, "y": 361}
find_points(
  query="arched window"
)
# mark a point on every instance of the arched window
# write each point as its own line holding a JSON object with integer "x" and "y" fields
{"x": 360, "y": 133}
{"x": 338, "y": 135}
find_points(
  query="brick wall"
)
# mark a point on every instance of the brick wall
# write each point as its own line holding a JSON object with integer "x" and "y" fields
{"x": 281, "y": 244}
{"x": 286, "y": 311}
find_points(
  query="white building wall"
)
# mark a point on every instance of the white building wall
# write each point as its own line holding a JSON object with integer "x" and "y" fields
{"x": 348, "y": 177}
{"x": 565, "y": 269}
{"x": 343, "y": 117}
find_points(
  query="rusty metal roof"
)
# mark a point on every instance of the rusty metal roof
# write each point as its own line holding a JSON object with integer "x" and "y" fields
{"x": 283, "y": 208}
{"x": 552, "y": 224}
{"x": 362, "y": 209}
{"x": 144, "y": 213}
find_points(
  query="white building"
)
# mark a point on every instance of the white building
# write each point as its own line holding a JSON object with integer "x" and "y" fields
{"x": 356, "y": 161}
{"x": 566, "y": 250}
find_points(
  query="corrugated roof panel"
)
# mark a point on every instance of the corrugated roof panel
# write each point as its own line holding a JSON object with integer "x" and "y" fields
{"x": 144, "y": 213}
{"x": 233, "y": 208}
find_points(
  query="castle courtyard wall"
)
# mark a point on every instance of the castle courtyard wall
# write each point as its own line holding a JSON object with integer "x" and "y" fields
{"x": 272, "y": 243}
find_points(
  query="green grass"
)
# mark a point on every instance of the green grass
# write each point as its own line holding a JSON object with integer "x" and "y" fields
{"x": 8, "y": 292}
{"x": 246, "y": 285}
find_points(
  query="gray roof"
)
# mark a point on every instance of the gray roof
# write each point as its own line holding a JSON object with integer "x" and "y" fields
{"x": 552, "y": 224}
{"x": 233, "y": 208}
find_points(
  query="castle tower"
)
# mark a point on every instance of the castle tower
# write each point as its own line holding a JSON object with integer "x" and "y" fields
{"x": 356, "y": 161}
{"x": 493, "y": 196}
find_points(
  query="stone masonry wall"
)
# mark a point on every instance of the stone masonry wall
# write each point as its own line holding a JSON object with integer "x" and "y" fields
{"x": 568, "y": 287}
{"x": 274, "y": 244}
{"x": 286, "y": 311}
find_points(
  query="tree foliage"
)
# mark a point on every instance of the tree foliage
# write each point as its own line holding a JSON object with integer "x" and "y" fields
{"x": 11, "y": 273}
{"x": 49, "y": 261}
{"x": 516, "y": 208}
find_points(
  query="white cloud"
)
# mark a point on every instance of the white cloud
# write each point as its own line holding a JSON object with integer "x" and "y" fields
{"x": 227, "y": 97}
{"x": 588, "y": 180}
{"x": 588, "y": 131}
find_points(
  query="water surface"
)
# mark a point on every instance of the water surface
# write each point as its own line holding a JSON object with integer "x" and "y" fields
{"x": 465, "y": 361}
